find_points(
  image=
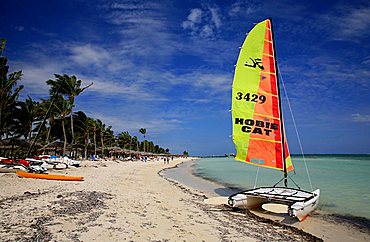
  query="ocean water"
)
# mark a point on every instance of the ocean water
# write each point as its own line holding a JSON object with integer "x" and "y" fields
{"x": 344, "y": 180}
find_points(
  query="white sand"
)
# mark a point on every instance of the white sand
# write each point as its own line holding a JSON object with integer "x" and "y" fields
{"x": 124, "y": 201}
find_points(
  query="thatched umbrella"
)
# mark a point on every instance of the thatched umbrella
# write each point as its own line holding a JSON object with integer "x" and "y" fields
{"x": 114, "y": 149}
{"x": 53, "y": 146}
{"x": 15, "y": 144}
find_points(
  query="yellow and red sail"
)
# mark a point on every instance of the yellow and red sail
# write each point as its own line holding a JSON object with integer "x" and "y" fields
{"x": 256, "y": 115}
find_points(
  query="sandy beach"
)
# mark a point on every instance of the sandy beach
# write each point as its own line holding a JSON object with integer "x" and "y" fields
{"x": 329, "y": 227}
{"x": 132, "y": 201}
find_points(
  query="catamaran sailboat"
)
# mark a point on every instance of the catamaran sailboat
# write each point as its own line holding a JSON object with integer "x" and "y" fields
{"x": 258, "y": 127}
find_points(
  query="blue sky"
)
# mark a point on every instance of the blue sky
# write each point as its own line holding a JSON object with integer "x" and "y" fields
{"x": 168, "y": 66}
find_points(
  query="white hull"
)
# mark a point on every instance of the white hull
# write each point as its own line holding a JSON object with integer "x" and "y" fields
{"x": 301, "y": 210}
{"x": 300, "y": 203}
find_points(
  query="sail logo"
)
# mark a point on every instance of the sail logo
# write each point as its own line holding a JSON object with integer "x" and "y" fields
{"x": 255, "y": 62}
{"x": 256, "y": 126}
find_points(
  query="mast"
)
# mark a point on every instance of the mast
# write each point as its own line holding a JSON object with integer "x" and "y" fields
{"x": 280, "y": 109}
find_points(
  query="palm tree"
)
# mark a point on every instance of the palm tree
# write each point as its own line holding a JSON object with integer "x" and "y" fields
{"x": 43, "y": 108}
{"x": 83, "y": 125}
{"x": 101, "y": 129}
{"x": 71, "y": 87}
{"x": 106, "y": 135}
{"x": 94, "y": 127}
{"x": 151, "y": 147}
{"x": 9, "y": 93}
{"x": 62, "y": 107}
{"x": 143, "y": 131}
{"x": 25, "y": 116}
{"x": 2, "y": 45}
{"x": 124, "y": 140}
{"x": 109, "y": 136}
{"x": 135, "y": 142}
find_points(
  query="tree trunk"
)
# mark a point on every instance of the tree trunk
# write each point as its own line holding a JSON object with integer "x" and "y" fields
{"x": 30, "y": 132}
{"x": 65, "y": 137}
{"x": 94, "y": 142}
{"x": 86, "y": 143}
{"x": 1, "y": 127}
{"x": 72, "y": 131}
{"x": 48, "y": 135}
{"x": 102, "y": 144}
{"x": 144, "y": 143}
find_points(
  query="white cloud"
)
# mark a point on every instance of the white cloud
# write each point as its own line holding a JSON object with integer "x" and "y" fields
{"x": 206, "y": 31}
{"x": 235, "y": 8}
{"x": 193, "y": 18}
{"x": 144, "y": 31}
{"x": 240, "y": 7}
{"x": 345, "y": 22}
{"x": 20, "y": 28}
{"x": 204, "y": 22}
{"x": 35, "y": 77}
{"x": 88, "y": 54}
{"x": 216, "y": 18}
{"x": 199, "y": 81}
{"x": 126, "y": 6}
{"x": 360, "y": 118}
{"x": 125, "y": 90}
{"x": 195, "y": 15}
{"x": 133, "y": 123}
{"x": 355, "y": 23}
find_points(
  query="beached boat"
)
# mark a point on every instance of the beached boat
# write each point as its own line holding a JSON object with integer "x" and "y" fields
{"x": 11, "y": 168}
{"x": 49, "y": 176}
{"x": 258, "y": 127}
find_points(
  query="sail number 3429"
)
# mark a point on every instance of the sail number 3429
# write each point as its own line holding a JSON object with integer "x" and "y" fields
{"x": 250, "y": 97}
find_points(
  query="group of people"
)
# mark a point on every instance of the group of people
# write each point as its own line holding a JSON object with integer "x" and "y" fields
{"x": 166, "y": 160}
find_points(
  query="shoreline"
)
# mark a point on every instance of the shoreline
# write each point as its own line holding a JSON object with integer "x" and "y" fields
{"x": 328, "y": 226}
{"x": 360, "y": 222}
{"x": 126, "y": 201}
{"x": 242, "y": 215}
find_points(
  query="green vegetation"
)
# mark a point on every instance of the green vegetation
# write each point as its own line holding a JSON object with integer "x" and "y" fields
{"x": 143, "y": 131}
{"x": 21, "y": 120}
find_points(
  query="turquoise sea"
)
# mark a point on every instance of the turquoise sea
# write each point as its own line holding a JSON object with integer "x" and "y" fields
{"x": 344, "y": 180}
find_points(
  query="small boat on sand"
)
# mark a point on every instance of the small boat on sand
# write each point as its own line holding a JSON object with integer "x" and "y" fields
{"x": 258, "y": 127}
{"x": 11, "y": 168}
{"x": 49, "y": 176}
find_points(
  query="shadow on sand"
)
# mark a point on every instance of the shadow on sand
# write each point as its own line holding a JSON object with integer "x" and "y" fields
{"x": 226, "y": 191}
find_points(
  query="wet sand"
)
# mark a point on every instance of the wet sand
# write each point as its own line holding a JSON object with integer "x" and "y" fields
{"x": 120, "y": 201}
{"x": 329, "y": 227}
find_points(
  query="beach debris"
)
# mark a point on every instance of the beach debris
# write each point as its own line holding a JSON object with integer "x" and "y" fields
{"x": 80, "y": 202}
{"x": 36, "y": 219}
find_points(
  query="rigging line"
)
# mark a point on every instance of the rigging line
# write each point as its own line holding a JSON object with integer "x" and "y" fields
{"x": 296, "y": 131}
{"x": 294, "y": 182}
{"x": 255, "y": 181}
{"x": 278, "y": 182}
